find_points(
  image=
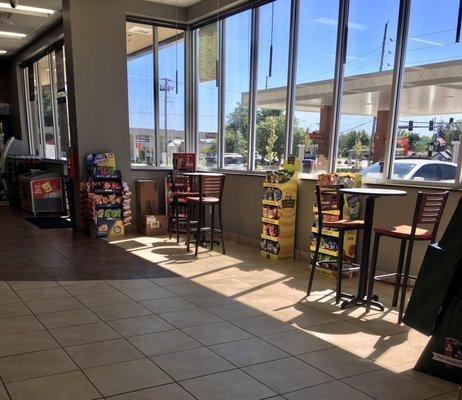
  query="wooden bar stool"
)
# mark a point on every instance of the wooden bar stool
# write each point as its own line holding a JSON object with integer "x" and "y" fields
{"x": 182, "y": 187}
{"x": 210, "y": 195}
{"x": 427, "y": 216}
{"x": 325, "y": 197}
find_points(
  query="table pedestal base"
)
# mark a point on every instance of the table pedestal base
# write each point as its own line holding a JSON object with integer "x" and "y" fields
{"x": 355, "y": 301}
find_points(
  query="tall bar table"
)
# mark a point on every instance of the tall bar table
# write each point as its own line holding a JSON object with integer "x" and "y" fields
{"x": 370, "y": 194}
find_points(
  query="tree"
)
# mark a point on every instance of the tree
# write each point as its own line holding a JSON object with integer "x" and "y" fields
{"x": 348, "y": 140}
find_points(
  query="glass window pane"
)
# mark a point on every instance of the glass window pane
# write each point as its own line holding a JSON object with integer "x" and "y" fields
{"x": 430, "y": 116}
{"x": 365, "y": 105}
{"x": 207, "y": 95}
{"x": 236, "y": 87}
{"x": 140, "y": 77}
{"x": 30, "y": 78}
{"x": 273, "y": 48}
{"x": 171, "y": 94}
{"x": 46, "y": 103}
{"x": 317, "y": 38}
{"x": 60, "y": 90}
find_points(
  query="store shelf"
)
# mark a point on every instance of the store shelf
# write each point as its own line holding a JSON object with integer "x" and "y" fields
{"x": 107, "y": 206}
{"x": 275, "y": 185}
{"x": 273, "y": 238}
{"x": 109, "y": 177}
{"x": 326, "y": 232}
{"x": 270, "y": 221}
{"x": 271, "y": 203}
{"x": 107, "y": 191}
{"x": 325, "y": 251}
{"x": 330, "y": 212}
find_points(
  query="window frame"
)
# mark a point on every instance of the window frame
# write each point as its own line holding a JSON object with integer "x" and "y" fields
{"x": 191, "y": 50}
{"x": 155, "y": 24}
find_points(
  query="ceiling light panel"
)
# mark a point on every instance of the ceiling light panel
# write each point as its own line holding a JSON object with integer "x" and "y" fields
{"x": 27, "y": 10}
{"x": 12, "y": 35}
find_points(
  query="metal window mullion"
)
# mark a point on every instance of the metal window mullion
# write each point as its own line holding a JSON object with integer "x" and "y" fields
{"x": 253, "y": 89}
{"x": 291, "y": 76}
{"x": 340, "y": 55}
{"x": 25, "y": 79}
{"x": 189, "y": 103}
{"x": 221, "y": 93}
{"x": 54, "y": 107}
{"x": 397, "y": 85}
{"x": 155, "y": 62}
{"x": 40, "y": 112}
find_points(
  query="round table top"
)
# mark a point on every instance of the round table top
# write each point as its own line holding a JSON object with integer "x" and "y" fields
{"x": 374, "y": 192}
{"x": 201, "y": 174}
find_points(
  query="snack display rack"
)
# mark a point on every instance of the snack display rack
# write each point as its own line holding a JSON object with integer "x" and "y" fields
{"x": 329, "y": 237}
{"x": 279, "y": 207}
{"x": 104, "y": 197}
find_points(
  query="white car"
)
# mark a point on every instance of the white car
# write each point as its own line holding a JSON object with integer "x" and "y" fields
{"x": 414, "y": 169}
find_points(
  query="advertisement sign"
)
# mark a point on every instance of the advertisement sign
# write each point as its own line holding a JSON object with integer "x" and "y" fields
{"x": 46, "y": 188}
{"x": 184, "y": 162}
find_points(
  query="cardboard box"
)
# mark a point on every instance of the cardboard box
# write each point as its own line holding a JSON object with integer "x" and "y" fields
{"x": 147, "y": 199}
{"x": 154, "y": 225}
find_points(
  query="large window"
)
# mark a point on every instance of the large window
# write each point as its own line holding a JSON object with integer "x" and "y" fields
{"x": 271, "y": 95}
{"x": 45, "y": 91}
{"x": 207, "y": 95}
{"x": 317, "y": 39}
{"x": 368, "y": 76}
{"x": 236, "y": 82}
{"x": 430, "y": 114}
{"x": 328, "y": 81}
{"x": 156, "y": 93}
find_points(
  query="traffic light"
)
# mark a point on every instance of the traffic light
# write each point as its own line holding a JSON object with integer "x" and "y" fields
{"x": 430, "y": 125}
{"x": 411, "y": 126}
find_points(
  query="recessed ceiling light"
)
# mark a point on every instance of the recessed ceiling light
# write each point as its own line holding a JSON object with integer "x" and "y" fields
{"x": 2, "y": 51}
{"x": 13, "y": 35}
{"x": 20, "y": 9}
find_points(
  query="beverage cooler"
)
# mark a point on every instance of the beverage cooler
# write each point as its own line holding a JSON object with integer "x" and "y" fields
{"x": 41, "y": 192}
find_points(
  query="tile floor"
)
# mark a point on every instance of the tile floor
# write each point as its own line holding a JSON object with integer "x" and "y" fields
{"x": 139, "y": 318}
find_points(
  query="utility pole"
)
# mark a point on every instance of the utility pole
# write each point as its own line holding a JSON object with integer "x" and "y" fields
{"x": 384, "y": 41}
{"x": 166, "y": 87}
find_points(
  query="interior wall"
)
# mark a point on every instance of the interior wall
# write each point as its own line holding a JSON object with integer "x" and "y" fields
{"x": 242, "y": 215}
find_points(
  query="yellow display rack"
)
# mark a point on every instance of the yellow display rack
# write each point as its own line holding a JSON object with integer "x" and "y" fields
{"x": 287, "y": 209}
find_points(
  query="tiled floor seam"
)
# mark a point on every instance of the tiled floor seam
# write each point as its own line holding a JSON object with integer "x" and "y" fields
{"x": 63, "y": 349}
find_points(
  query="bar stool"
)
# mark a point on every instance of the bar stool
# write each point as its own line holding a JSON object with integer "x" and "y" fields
{"x": 428, "y": 211}
{"x": 210, "y": 195}
{"x": 182, "y": 187}
{"x": 324, "y": 199}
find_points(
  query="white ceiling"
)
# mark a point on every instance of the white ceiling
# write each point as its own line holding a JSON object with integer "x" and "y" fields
{"x": 181, "y": 3}
{"x": 30, "y": 25}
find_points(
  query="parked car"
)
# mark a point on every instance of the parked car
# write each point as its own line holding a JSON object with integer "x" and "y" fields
{"x": 415, "y": 170}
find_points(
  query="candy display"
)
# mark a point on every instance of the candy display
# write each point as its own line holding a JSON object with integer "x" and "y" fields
{"x": 270, "y": 246}
{"x": 279, "y": 212}
{"x": 104, "y": 198}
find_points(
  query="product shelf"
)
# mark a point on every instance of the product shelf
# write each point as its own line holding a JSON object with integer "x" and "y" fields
{"x": 325, "y": 251}
{"x": 325, "y": 232}
{"x": 107, "y": 206}
{"x": 270, "y": 221}
{"x": 268, "y": 237}
{"x": 271, "y": 203}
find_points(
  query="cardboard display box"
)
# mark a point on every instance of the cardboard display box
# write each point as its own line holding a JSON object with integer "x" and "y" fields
{"x": 147, "y": 200}
{"x": 153, "y": 225}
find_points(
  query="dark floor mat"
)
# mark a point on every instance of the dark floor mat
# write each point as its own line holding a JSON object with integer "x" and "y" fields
{"x": 50, "y": 222}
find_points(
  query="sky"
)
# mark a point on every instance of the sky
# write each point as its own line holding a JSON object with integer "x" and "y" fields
{"x": 431, "y": 39}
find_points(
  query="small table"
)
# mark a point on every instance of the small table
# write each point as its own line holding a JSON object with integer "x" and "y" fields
{"x": 371, "y": 194}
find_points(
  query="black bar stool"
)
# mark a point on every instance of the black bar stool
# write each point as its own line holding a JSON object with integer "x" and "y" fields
{"x": 325, "y": 197}
{"x": 427, "y": 216}
{"x": 210, "y": 195}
